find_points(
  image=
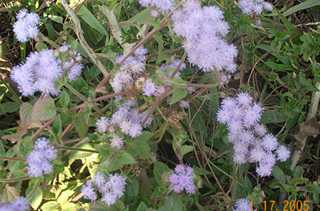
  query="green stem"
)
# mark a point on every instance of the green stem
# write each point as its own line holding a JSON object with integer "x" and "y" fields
{"x": 76, "y": 149}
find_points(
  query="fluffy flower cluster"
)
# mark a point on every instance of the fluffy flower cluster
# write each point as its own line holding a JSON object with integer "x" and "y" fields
{"x": 20, "y": 204}
{"x": 39, "y": 160}
{"x": 127, "y": 118}
{"x": 38, "y": 73}
{"x": 41, "y": 71}
{"x": 111, "y": 188}
{"x": 204, "y": 29}
{"x": 161, "y": 5}
{"x": 251, "y": 142}
{"x": 181, "y": 179}
{"x": 130, "y": 70}
{"x": 254, "y": 7}
{"x": 242, "y": 205}
{"x": 26, "y": 26}
{"x": 72, "y": 66}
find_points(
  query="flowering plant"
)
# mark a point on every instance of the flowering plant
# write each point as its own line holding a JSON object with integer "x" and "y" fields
{"x": 156, "y": 105}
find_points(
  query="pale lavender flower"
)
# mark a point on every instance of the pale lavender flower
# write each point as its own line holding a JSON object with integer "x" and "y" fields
{"x": 38, "y": 73}
{"x": 181, "y": 179}
{"x": 110, "y": 187}
{"x": 39, "y": 160}
{"x": 184, "y": 104}
{"x": 283, "y": 153}
{"x": 116, "y": 142}
{"x": 102, "y": 124}
{"x": 149, "y": 88}
{"x": 243, "y": 205}
{"x": 251, "y": 142}
{"x": 20, "y": 204}
{"x": 204, "y": 29}
{"x": 269, "y": 142}
{"x": 26, "y": 26}
{"x": 88, "y": 191}
{"x": 75, "y": 71}
{"x": 161, "y": 5}
{"x": 130, "y": 120}
{"x": 254, "y": 7}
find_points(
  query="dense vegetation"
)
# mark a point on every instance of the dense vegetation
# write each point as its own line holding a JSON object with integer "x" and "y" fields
{"x": 278, "y": 65}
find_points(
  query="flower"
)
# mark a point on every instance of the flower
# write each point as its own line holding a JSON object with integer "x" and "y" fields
{"x": 130, "y": 69}
{"x": 38, "y": 73}
{"x": 161, "y": 5}
{"x": 204, "y": 29}
{"x": 26, "y": 26}
{"x": 254, "y": 7}
{"x": 39, "y": 160}
{"x": 242, "y": 205}
{"x": 283, "y": 153}
{"x": 149, "y": 88}
{"x": 116, "y": 142}
{"x": 102, "y": 124}
{"x": 20, "y": 204}
{"x": 181, "y": 179}
{"x": 88, "y": 191}
{"x": 251, "y": 142}
{"x": 110, "y": 187}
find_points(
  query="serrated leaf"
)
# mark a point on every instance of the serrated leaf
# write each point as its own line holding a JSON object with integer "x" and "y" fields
{"x": 44, "y": 109}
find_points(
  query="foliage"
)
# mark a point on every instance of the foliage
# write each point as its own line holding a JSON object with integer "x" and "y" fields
{"x": 278, "y": 64}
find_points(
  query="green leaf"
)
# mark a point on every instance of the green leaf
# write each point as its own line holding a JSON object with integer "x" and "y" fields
{"x": 81, "y": 122}
{"x": 302, "y": 6}
{"x": 113, "y": 23}
{"x": 185, "y": 149}
{"x": 9, "y": 107}
{"x": 159, "y": 169}
{"x": 144, "y": 17}
{"x": 34, "y": 194}
{"x": 57, "y": 126}
{"x": 44, "y": 109}
{"x": 178, "y": 94}
{"x": 278, "y": 174}
{"x": 173, "y": 203}
{"x": 273, "y": 116}
{"x": 117, "y": 161}
{"x": 142, "y": 207}
{"x": 50, "y": 205}
{"x": 140, "y": 147}
{"x": 91, "y": 20}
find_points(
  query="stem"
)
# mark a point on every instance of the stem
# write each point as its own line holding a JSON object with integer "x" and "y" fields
{"x": 76, "y": 149}
{"x": 13, "y": 180}
{"x": 77, "y": 29}
{"x": 11, "y": 158}
{"x": 311, "y": 114}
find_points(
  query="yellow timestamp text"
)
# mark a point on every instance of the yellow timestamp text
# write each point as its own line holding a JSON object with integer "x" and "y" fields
{"x": 287, "y": 205}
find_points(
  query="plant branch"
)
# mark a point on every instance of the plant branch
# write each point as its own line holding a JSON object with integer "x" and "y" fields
{"x": 77, "y": 29}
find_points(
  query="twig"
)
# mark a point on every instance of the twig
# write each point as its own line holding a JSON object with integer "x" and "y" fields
{"x": 311, "y": 114}
{"x": 11, "y": 158}
{"x": 44, "y": 126}
{"x": 77, "y": 29}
